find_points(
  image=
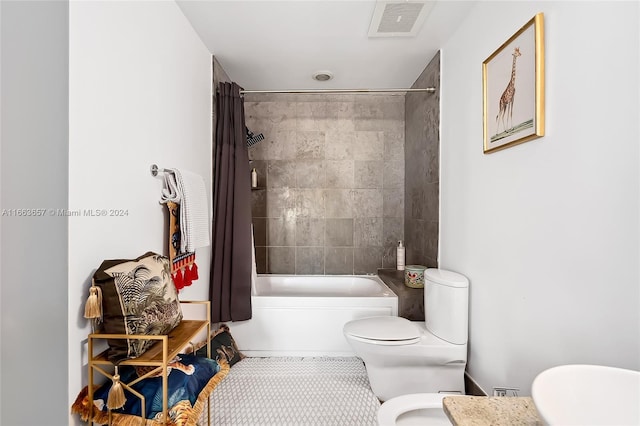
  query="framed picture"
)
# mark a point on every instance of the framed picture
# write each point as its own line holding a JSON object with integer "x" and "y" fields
{"x": 513, "y": 89}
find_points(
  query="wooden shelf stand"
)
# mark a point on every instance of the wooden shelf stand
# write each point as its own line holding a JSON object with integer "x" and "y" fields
{"x": 158, "y": 355}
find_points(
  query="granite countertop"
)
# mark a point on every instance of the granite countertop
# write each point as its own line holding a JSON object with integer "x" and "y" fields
{"x": 491, "y": 411}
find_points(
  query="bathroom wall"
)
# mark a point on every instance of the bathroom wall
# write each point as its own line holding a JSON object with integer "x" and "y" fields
{"x": 422, "y": 168}
{"x": 547, "y": 231}
{"x": 140, "y": 93}
{"x": 34, "y": 118}
{"x": 331, "y": 172}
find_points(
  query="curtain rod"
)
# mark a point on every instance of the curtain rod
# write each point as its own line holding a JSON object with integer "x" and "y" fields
{"x": 313, "y": 91}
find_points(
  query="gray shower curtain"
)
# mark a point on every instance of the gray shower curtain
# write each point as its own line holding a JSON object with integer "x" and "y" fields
{"x": 230, "y": 291}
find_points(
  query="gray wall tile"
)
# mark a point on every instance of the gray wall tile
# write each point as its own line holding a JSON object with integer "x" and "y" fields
{"x": 310, "y": 145}
{"x": 339, "y": 173}
{"x": 389, "y": 257}
{"x": 281, "y": 260}
{"x": 338, "y": 232}
{"x": 338, "y": 260}
{"x": 368, "y": 174}
{"x": 310, "y": 174}
{"x": 280, "y": 202}
{"x": 392, "y": 231}
{"x": 339, "y": 144}
{"x": 311, "y": 115}
{"x": 338, "y": 203}
{"x": 261, "y": 260}
{"x": 368, "y": 145}
{"x": 325, "y": 161}
{"x": 431, "y": 204}
{"x": 309, "y": 231}
{"x": 310, "y": 203}
{"x": 281, "y": 144}
{"x": 392, "y": 203}
{"x": 394, "y": 146}
{"x": 281, "y": 173}
{"x": 367, "y": 203}
{"x": 281, "y": 231}
{"x": 421, "y": 186}
{"x": 367, "y": 260}
{"x": 309, "y": 260}
{"x": 370, "y": 107}
{"x": 393, "y": 175}
{"x": 367, "y": 232}
{"x": 259, "y": 203}
{"x": 260, "y": 231}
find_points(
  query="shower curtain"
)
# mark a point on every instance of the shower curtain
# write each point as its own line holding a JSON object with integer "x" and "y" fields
{"x": 230, "y": 291}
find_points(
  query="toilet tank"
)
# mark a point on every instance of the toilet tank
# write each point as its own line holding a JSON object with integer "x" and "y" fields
{"x": 446, "y": 304}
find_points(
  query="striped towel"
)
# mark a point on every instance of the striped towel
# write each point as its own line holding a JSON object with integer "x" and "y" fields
{"x": 188, "y": 189}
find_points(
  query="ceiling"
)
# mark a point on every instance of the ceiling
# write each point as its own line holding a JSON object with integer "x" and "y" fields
{"x": 279, "y": 45}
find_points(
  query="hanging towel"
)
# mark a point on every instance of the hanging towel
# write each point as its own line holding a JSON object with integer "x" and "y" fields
{"x": 171, "y": 192}
{"x": 195, "y": 211}
{"x": 188, "y": 189}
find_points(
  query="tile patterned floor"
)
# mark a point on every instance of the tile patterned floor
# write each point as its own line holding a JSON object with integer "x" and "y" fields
{"x": 295, "y": 391}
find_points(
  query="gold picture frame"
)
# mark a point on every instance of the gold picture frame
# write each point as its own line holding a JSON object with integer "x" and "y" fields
{"x": 516, "y": 67}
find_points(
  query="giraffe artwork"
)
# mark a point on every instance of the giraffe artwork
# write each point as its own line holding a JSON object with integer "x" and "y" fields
{"x": 508, "y": 96}
{"x": 507, "y": 120}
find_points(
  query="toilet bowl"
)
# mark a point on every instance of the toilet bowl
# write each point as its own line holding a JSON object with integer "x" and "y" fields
{"x": 405, "y": 357}
{"x": 416, "y": 409}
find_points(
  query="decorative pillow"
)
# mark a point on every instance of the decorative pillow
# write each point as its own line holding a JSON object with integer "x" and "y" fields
{"x": 138, "y": 297}
{"x": 222, "y": 346}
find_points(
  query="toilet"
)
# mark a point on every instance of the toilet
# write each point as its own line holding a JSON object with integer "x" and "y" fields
{"x": 415, "y": 409}
{"x": 427, "y": 358}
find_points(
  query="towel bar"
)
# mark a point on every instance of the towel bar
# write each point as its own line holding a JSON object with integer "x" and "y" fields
{"x": 155, "y": 170}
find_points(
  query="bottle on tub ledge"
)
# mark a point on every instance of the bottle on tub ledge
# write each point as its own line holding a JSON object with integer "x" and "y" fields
{"x": 254, "y": 178}
{"x": 400, "y": 256}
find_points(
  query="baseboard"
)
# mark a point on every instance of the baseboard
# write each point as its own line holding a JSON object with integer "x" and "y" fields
{"x": 471, "y": 387}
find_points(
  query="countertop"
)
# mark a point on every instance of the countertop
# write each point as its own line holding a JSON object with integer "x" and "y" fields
{"x": 491, "y": 411}
{"x": 410, "y": 300}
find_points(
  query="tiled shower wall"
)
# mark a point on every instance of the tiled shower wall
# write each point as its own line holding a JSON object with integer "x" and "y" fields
{"x": 422, "y": 165}
{"x": 331, "y": 182}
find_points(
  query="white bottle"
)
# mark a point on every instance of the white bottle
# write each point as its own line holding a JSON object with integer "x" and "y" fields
{"x": 400, "y": 256}
{"x": 254, "y": 178}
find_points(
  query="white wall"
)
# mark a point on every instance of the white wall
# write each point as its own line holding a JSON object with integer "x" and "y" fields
{"x": 33, "y": 292}
{"x": 140, "y": 93}
{"x": 547, "y": 231}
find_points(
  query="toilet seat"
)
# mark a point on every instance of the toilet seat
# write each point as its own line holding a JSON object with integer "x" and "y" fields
{"x": 384, "y": 330}
{"x": 395, "y": 407}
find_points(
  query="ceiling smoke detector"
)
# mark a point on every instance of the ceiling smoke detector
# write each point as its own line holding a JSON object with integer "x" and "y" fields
{"x": 322, "y": 76}
{"x": 399, "y": 18}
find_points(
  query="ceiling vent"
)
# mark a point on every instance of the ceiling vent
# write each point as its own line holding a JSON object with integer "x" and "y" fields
{"x": 399, "y": 18}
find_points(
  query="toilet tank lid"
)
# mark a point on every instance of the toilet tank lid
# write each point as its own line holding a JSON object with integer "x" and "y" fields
{"x": 448, "y": 278}
{"x": 382, "y": 328}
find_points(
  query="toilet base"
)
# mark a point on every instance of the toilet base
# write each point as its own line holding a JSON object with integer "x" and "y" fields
{"x": 392, "y": 381}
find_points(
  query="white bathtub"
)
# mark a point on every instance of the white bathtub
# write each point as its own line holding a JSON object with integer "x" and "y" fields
{"x": 303, "y": 315}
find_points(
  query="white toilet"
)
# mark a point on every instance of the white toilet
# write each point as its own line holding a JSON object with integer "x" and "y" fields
{"x": 415, "y": 409}
{"x": 426, "y": 358}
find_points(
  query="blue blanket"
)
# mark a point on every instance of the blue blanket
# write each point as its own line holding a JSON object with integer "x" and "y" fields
{"x": 188, "y": 376}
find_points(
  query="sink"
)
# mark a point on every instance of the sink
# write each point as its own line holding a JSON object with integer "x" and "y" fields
{"x": 587, "y": 395}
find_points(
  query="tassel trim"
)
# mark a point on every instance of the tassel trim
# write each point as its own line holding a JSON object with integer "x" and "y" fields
{"x": 93, "y": 307}
{"x": 116, "y": 398}
{"x": 194, "y": 272}
{"x": 178, "y": 280}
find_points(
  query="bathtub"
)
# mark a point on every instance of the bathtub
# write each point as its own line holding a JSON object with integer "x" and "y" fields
{"x": 303, "y": 315}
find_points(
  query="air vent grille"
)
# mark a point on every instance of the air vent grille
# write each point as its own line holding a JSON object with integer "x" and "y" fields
{"x": 399, "y": 18}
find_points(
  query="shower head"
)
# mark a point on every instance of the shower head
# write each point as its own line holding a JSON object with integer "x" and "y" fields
{"x": 253, "y": 139}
